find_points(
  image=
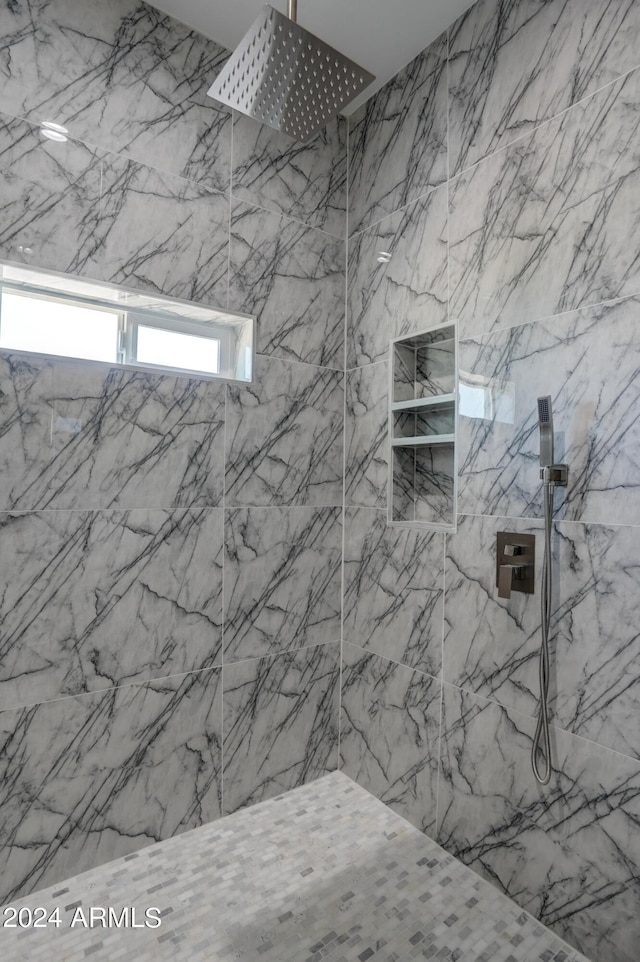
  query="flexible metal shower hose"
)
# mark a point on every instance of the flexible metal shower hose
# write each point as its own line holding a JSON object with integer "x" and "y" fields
{"x": 541, "y": 741}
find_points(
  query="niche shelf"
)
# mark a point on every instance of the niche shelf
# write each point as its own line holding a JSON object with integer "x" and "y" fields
{"x": 422, "y": 430}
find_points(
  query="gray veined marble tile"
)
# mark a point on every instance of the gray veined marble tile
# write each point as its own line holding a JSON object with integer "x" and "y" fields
{"x": 49, "y": 199}
{"x": 67, "y": 58}
{"x": 597, "y": 647}
{"x": 121, "y": 75}
{"x": 393, "y": 581}
{"x": 366, "y": 415}
{"x": 594, "y": 879}
{"x": 568, "y": 852}
{"x": 280, "y": 723}
{"x": 91, "y": 600}
{"x": 514, "y": 65}
{"x": 550, "y": 224}
{"x": 406, "y": 293}
{"x": 26, "y": 387}
{"x": 73, "y": 435}
{"x": 131, "y": 440}
{"x": 292, "y": 277}
{"x": 389, "y": 730}
{"x": 284, "y": 436}
{"x": 398, "y": 140}
{"x": 282, "y": 579}
{"x": 423, "y": 485}
{"x": 588, "y": 362}
{"x": 91, "y": 778}
{"x": 489, "y": 804}
{"x": 491, "y": 644}
{"x": 162, "y": 233}
{"x": 304, "y": 180}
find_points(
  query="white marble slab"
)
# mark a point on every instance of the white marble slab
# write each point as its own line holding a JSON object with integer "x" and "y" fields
{"x": 587, "y": 362}
{"x": 398, "y": 140}
{"x": 550, "y": 223}
{"x": 280, "y": 723}
{"x": 282, "y": 580}
{"x": 306, "y": 181}
{"x": 393, "y": 590}
{"x": 91, "y": 600}
{"x": 284, "y": 436}
{"x": 406, "y": 289}
{"x": 91, "y": 778}
{"x": 292, "y": 278}
{"x": 514, "y": 65}
{"x": 389, "y": 730}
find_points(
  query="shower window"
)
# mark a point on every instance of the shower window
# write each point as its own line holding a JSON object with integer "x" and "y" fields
{"x": 62, "y": 316}
{"x": 43, "y": 326}
{"x": 153, "y": 344}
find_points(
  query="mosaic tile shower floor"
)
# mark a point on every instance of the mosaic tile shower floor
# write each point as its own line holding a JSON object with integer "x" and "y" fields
{"x": 324, "y": 873}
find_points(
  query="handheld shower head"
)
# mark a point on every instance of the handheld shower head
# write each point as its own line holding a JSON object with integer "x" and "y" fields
{"x": 545, "y": 423}
{"x": 552, "y": 475}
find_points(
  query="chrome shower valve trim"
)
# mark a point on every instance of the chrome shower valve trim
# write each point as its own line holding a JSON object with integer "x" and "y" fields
{"x": 556, "y": 474}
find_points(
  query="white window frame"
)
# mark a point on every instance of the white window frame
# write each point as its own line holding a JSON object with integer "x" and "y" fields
{"x": 155, "y": 311}
{"x": 133, "y": 320}
{"x": 51, "y": 297}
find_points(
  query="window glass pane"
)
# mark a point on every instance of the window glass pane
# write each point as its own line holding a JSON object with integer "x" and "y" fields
{"x": 175, "y": 349}
{"x": 54, "y": 327}
{"x": 56, "y": 314}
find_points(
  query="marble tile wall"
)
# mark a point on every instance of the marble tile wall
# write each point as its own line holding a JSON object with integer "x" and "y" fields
{"x": 170, "y": 560}
{"x": 508, "y": 204}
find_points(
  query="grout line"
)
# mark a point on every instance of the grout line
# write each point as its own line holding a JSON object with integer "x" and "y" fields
{"x": 223, "y": 620}
{"x": 366, "y": 507}
{"x": 439, "y": 752}
{"x": 228, "y": 509}
{"x": 224, "y": 485}
{"x": 439, "y": 761}
{"x": 501, "y": 517}
{"x": 447, "y": 81}
{"x": 286, "y": 360}
{"x": 230, "y": 202}
{"x": 455, "y": 506}
{"x": 277, "y": 507}
{"x": 175, "y": 509}
{"x": 344, "y": 445}
{"x": 529, "y": 519}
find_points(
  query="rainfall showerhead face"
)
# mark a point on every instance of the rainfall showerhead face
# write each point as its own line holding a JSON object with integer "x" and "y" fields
{"x": 285, "y": 77}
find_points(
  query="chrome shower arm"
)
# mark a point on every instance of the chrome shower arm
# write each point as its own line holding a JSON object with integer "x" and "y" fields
{"x": 293, "y": 10}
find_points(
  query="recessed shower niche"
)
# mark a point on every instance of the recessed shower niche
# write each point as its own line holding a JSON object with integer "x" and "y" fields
{"x": 422, "y": 429}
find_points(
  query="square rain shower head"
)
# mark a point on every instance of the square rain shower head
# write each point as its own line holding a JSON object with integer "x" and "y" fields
{"x": 285, "y": 77}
